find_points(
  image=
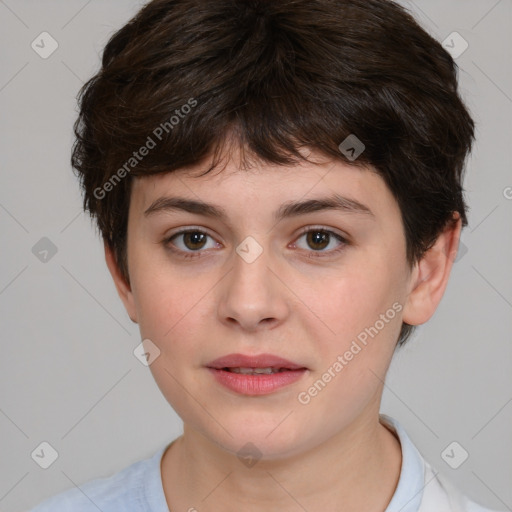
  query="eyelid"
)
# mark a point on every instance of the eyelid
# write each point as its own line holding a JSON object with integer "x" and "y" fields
{"x": 302, "y": 231}
{"x": 188, "y": 228}
{"x": 306, "y": 229}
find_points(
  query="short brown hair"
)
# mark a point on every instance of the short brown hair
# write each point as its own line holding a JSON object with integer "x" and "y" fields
{"x": 277, "y": 76}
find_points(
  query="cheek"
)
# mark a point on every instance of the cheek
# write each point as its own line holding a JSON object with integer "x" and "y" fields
{"x": 364, "y": 316}
{"x": 158, "y": 293}
{"x": 362, "y": 310}
{"x": 171, "y": 310}
{"x": 353, "y": 300}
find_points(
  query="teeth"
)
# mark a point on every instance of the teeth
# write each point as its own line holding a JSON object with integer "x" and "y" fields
{"x": 253, "y": 371}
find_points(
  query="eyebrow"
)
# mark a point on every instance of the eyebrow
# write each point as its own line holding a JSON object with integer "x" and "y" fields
{"x": 288, "y": 209}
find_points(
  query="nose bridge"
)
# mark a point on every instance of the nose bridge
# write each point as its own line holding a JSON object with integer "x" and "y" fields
{"x": 251, "y": 292}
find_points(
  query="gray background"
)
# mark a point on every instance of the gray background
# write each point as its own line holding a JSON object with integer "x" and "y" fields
{"x": 67, "y": 372}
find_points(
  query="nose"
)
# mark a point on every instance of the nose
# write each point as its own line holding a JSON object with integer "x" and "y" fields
{"x": 253, "y": 296}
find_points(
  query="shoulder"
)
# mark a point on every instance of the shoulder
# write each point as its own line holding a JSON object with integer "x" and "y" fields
{"x": 125, "y": 490}
{"x": 422, "y": 488}
{"x": 440, "y": 495}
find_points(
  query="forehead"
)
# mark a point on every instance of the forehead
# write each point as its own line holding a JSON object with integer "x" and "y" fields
{"x": 265, "y": 188}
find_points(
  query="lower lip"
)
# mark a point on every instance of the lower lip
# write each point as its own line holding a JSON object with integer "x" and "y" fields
{"x": 261, "y": 384}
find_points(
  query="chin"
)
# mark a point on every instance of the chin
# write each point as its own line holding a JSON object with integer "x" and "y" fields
{"x": 269, "y": 441}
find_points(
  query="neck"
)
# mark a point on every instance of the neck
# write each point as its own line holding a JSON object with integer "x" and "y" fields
{"x": 356, "y": 470}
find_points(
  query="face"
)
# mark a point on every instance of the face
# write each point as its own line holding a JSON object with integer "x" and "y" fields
{"x": 324, "y": 288}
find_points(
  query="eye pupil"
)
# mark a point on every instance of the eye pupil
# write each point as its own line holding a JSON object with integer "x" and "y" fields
{"x": 314, "y": 239}
{"x": 196, "y": 238}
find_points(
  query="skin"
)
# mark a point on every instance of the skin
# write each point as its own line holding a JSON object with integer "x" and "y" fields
{"x": 332, "y": 453}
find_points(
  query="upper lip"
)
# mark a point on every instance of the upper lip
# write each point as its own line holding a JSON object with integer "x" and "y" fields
{"x": 256, "y": 361}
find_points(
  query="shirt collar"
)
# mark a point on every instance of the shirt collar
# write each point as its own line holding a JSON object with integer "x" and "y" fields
{"x": 409, "y": 491}
{"x": 153, "y": 485}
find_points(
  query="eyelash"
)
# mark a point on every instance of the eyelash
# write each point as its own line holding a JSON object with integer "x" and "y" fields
{"x": 313, "y": 254}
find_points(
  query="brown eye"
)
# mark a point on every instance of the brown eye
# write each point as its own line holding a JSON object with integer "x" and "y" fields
{"x": 188, "y": 243}
{"x": 317, "y": 239}
{"x": 194, "y": 240}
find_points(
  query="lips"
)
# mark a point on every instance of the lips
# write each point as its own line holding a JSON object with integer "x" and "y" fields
{"x": 238, "y": 361}
{"x": 255, "y": 375}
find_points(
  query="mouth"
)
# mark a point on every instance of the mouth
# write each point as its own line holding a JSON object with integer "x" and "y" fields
{"x": 256, "y": 371}
{"x": 262, "y": 363}
{"x": 255, "y": 375}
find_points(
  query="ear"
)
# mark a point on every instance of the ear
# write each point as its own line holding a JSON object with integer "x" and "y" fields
{"x": 429, "y": 277}
{"x": 123, "y": 288}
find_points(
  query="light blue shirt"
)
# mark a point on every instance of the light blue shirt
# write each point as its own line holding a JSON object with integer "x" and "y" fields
{"x": 138, "y": 488}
